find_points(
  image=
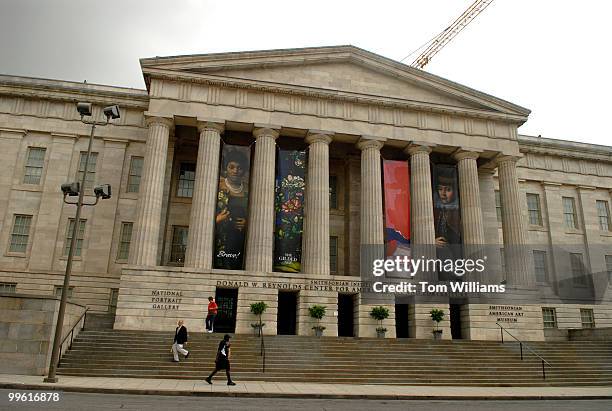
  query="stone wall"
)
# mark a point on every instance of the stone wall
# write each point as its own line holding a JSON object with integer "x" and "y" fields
{"x": 27, "y": 326}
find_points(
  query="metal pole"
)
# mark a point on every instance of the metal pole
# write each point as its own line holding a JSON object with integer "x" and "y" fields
{"x": 62, "y": 308}
{"x": 521, "y": 351}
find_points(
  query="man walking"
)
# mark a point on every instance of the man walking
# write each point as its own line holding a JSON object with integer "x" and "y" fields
{"x": 222, "y": 360}
{"x": 180, "y": 338}
{"x": 212, "y": 314}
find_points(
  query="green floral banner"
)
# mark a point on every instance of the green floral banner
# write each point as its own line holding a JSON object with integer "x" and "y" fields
{"x": 289, "y": 209}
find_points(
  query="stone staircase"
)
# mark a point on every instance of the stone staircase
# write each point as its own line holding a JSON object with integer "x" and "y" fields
{"x": 110, "y": 353}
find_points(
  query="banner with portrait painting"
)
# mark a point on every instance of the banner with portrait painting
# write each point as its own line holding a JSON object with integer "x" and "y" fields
{"x": 289, "y": 210}
{"x": 396, "y": 177}
{"x": 447, "y": 214}
{"x": 232, "y": 207}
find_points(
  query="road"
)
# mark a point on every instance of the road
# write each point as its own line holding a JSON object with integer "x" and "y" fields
{"x": 95, "y": 402}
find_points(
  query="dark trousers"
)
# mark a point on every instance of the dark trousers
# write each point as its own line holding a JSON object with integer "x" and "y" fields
{"x": 220, "y": 365}
{"x": 210, "y": 321}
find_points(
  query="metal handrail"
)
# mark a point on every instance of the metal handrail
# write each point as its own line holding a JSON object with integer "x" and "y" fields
{"x": 521, "y": 343}
{"x": 71, "y": 333}
{"x": 262, "y": 350}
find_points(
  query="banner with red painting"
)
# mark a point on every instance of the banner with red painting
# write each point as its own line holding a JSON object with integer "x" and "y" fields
{"x": 397, "y": 207}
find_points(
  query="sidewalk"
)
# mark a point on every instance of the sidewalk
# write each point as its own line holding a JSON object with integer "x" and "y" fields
{"x": 296, "y": 390}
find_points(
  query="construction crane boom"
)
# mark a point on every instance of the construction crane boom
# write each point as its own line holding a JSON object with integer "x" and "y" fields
{"x": 442, "y": 39}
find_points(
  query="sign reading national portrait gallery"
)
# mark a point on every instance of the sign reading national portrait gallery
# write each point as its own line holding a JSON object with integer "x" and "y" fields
{"x": 232, "y": 206}
{"x": 289, "y": 210}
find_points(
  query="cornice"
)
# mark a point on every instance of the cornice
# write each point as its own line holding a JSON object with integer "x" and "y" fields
{"x": 562, "y": 148}
{"x": 327, "y": 94}
{"x": 70, "y": 92}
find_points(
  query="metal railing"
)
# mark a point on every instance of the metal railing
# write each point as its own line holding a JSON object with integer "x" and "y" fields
{"x": 71, "y": 333}
{"x": 521, "y": 344}
{"x": 262, "y": 350}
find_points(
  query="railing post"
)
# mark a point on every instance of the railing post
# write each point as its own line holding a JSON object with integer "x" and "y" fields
{"x": 543, "y": 370}
{"x": 521, "y": 344}
{"x": 501, "y": 330}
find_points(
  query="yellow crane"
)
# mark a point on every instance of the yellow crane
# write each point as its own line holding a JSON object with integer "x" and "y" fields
{"x": 433, "y": 46}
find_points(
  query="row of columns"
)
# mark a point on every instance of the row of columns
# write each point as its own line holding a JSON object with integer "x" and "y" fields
{"x": 315, "y": 253}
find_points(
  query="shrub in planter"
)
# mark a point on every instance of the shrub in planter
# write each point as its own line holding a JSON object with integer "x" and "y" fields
{"x": 317, "y": 312}
{"x": 258, "y": 309}
{"x": 380, "y": 313}
{"x": 437, "y": 315}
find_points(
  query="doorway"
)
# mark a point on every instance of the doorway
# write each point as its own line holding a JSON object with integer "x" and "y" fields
{"x": 286, "y": 318}
{"x": 455, "y": 321}
{"x": 346, "y": 315}
{"x": 401, "y": 320}
{"x": 227, "y": 300}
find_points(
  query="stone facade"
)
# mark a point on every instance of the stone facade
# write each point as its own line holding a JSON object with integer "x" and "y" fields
{"x": 349, "y": 108}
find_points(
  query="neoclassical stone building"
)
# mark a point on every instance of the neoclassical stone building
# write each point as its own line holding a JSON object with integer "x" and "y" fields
{"x": 147, "y": 256}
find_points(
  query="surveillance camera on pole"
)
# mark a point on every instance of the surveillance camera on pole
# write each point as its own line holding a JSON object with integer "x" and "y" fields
{"x": 103, "y": 191}
{"x": 112, "y": 112}
{"x": 71, "y": 189}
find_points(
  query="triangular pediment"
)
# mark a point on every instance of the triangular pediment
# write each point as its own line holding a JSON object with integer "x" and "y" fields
{"x": 340, "y": 69}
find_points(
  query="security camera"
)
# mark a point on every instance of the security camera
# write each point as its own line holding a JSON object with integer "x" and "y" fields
{"x": 103, "y": 191}
{"x": 112, "y": 112}
{"x": 84, "y": 109}
{"x": 71, "y": 189}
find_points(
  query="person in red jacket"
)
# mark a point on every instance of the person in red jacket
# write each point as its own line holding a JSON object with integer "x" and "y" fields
{"x": 212, "y": 314}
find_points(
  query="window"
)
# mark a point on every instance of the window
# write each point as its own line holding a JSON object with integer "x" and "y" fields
{"x": 57, "y": 291}
{"x": 603, "y": 213}
{"x": 333, "y": 254}
{"x": 533, "y": 206}
{"x": 333, "y": 192}
{"x": 34, "y": 165}
{"x": 578, "y": 274}
{"x": 112, "y": 300}
{"x": 586, "y": 316}
{"x": 79, "y": 239}
{"x": 8, "y": 288}
{"x": 569, "y": 213}
{"x": 20, "y": 233}
{"x": 186, "y": 180}
{"x": 498, "y": 206}
{"x": 91, "y": 169}
{"x": 125, "y": 239}
{"x": 179, "y": 245}
{"x": 549, "y": 315}
{"x": 541, "y": 266}
{"x": 133, "y": 184}
{"x": 609, "y": 268}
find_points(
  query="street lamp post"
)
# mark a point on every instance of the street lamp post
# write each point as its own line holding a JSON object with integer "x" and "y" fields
{"x": 73, "y": 189}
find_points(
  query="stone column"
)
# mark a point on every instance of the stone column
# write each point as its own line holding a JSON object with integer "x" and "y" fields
{"x": 371, "y": 192}
{"x": 513, "y": 229}
{"x": 371, "y": 211}
{"x": 469, "y": 189}
{"x": 148, "y": 221}
{"x": 421, "y": 202}
{"x": 202, "y": 218}
{"x": 260, "y": 236}
{"x": 315, "y": 243}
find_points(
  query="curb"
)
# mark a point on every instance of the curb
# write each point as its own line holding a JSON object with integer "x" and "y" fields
{"x": 133, "y": 391}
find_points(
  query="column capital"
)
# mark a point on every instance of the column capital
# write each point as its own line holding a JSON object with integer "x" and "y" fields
{"x": 418, "y": 147}
{"x": 159, "y": 119}
{"x": 211, "y": 124}
{"x": 504, "y": 158}
{"x": 319, "y": 136}
{"x": 366, "y": 143}
{"x": 266, "y": 130}
{"x": 466, "y": 154}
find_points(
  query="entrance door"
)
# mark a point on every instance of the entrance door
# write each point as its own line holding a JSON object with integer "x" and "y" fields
{"x": 455, "y": 320}
{"x": 401, "y": 320}
{"x": 227, "y": 300}
{"x": 287, "y": 313}
{"x": 345, "y": 315}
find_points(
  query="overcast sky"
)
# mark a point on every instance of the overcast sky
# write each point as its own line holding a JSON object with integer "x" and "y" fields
{"x": 551, "y": 56}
